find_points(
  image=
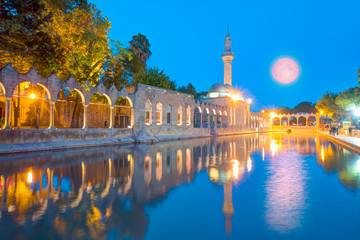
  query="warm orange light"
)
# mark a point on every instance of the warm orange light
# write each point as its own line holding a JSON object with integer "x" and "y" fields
{"x": 263, "y": 111}
{"x": 273, "y": 147}
{"x": 235, "y": 168}
{"x": 249, "y": 100}
{"x": 236, "y": 97}
{"x": 249, "y": 164}
{"x": 272, "y": 114}
{"x": 30, "y": 177}
{"x": 322, "y": 154}
{"x": 32, "y": 96}
{"x": 321, "y": 112}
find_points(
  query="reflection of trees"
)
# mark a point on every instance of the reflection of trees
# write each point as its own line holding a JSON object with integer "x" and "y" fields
{"x": 88, "y": 193}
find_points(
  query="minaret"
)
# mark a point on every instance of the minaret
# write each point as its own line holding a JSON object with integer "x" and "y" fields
{"x": 228, "y": 209}
{"x": 227, "y": 57}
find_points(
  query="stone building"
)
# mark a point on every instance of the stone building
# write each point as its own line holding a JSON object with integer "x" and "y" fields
{"x": 36, "y": 109}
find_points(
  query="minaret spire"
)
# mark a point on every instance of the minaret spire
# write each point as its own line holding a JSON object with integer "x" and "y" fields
{"x": 227, "y": 57}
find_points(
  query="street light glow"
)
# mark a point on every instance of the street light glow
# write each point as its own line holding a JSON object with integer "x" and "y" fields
{"x": 356, "y": 111}
{"x": 272, "y": 115}
{"x": 249, "y": 100}
{"x": 32, "y": 96}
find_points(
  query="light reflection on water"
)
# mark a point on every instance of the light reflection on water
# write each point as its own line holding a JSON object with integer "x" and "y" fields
{"x": 104, "y": 193}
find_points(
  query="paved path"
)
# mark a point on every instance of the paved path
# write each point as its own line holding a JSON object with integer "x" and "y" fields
{"x": 352, "y": 142}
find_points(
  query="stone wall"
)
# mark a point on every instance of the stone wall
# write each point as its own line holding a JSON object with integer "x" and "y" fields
{"x": 96, "y": 121}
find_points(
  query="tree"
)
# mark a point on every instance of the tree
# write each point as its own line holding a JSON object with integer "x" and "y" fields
{"x": 305, "y": 107}
{"x": 140, "y": 45}
{"x": 155, "y": 77}
{"x": 349, "y": 99}
{"x": 189, "y": 89}
{"x": 328, "y": 106}
{"x": 23, "y": 35}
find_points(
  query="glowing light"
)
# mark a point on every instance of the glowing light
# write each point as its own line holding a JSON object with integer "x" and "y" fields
{"x": 236, "y": 97}
{"x": 249, "y": 100}
{"x": 263, "y": 111}
{"x": 356, "y": 111}
{"x": 235, "y": 168}
{"x": 32, "y": 96}
{"x": 285, "y": 70}
{"x": 322, "y": 152}
{"x": 249, "y": 164}
{"x": 273, "y": 147}
{"x": 272, "y": 114}
{"x": 358, "y": 166}
{"x": 30, "y": 177}
{"x": 321, "y": 112}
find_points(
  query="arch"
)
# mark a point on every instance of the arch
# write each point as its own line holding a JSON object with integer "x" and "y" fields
{"x": 148, "y": 112}
{"x": 197, "y": 117}
{"x": 205, "y": 118}
{"x": 159, "y": 110}
{"x": 168, "y": 114}
{"x": 219, "y": 119}
{"x": 293, "y": 121}
{"x": 302, "y": 121}
{"x": 69, "y": 109}
{"x": 179, "y": 116}
{"x": 284, "y": 121}
{"x": 81, "y": 94}
{"x": 2, "y": 89}
{"x": 98, "y": 111}
{"x": 276, "y": 121}
{"x": 123, "y": 113}
{"x": 30, "y": 106}
{"x": 2, "y": 106}
{"x": 225, "y": 119}
{"x": 46, "y": 90}
{"x": 188, "y": 115}
{"x": 311, "y": 121}
{"x": 213, "y": 116}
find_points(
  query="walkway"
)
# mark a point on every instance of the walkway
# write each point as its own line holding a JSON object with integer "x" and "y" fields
{"x": 350, "y": 142}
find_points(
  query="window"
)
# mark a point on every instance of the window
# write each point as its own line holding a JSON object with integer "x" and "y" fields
{"x": 158, "y": 114}
{"x": 168, "y": 115}
{"x": 148, "y": 110}
{"x": 179, "y": 116}
{"x": 188, "y": 115}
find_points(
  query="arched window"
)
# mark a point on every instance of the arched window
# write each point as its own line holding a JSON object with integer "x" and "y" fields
{"x": 205, "y": 118}
{"x": 197, "y": 117}
{"x": 188, "y": 115}
{"x": 30, "y": 106}
{"x": 179, "y": 116}
{"x": 284, "y": 121}
{"x": 168, "y": 114}
{"x": 159, "y": 114}
{"x": 123, "y": 113}
{"x": 69, "y": 109}
{"x": 148, "y": 110}
{"x": 98, "y": 112}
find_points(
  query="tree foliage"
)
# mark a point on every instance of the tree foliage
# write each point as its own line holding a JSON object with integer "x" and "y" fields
{"x": 349, "y": 99}
{"x": 189, "y": 89}
{"x": 327, "y": 105}
{"x": 140, "y": 46}
{"x": 155, "y": 77}
{"x": 23, "y": 34}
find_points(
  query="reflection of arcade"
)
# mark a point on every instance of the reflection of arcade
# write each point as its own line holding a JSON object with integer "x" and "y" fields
{"x": 334, "y": 158}
{"x": 80, "y": 191}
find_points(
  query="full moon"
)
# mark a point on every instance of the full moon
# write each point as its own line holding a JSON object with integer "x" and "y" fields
{"x": 285, "y": 70}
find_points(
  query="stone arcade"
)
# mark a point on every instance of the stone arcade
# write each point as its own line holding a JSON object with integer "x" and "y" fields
{"x": 35, "y": 109}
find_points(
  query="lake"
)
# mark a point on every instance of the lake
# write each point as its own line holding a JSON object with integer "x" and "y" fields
{"x": 258, "y": 186}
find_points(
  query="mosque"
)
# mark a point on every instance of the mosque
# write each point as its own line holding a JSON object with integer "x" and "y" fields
{"x": 36, "y": 109}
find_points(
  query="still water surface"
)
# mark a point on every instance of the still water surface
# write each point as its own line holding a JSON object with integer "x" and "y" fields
{"x": 265, "y": 186}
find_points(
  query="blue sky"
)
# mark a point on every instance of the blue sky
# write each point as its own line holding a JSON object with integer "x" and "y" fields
{"x": 187, "y": 39}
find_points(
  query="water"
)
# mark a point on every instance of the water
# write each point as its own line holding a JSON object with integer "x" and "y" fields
{"x": 270, "y": 186}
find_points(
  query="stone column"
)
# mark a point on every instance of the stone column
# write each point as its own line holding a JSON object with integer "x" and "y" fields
{"x": 111, "y": 117}
{"x": 7, "y": 113}
{"x": 85, "y": 116}
{"x": 52, "y": 109}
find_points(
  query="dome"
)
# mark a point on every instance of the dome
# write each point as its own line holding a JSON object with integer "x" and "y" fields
{"x": 222, "y": 90}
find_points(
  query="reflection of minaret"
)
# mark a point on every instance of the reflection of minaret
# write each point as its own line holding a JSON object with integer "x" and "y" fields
{"x": 228, "y": 209}
{"x": 227, "y": 57}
